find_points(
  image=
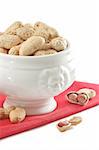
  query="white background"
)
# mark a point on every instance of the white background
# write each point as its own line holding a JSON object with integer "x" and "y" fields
{"x": 77, "y": 20}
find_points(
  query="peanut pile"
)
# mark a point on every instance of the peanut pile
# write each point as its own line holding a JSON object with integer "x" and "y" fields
{"x": 14, "y": 114}
{"x": 31, "y": 40}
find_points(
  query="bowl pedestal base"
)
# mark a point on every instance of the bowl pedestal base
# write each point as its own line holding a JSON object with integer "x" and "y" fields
{"x": 35, "y": 107}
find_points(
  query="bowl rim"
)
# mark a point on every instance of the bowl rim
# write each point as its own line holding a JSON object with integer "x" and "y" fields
{"x": 34, "y": 57}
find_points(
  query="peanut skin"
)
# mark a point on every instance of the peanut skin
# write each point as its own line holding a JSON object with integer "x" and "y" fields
{"x": 8, "y": 41}
{"x": 33, "y": 44}
{"x": 65, "y": 125}
{"x": 17, "y": 115}
{"x": 12, "y": 28}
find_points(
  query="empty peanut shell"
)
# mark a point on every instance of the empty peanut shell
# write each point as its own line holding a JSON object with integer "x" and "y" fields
{"x": 75, "y": 120}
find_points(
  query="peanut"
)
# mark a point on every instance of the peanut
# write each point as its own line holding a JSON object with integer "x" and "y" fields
{"x": 59, "y": 43}
{"x": 9, "y": 109}
{"x": 50, "y": 51}
{"x": 29, "y": 26}
{"x": 17, "y": 115}
{"x": 34, "y": 39}
{"x": 64, "y": 126}
{"x": 25, "y": 32}
{"x": 4, "y": 112}
{"x": 45, "y": 52}
{"x": 82, "y": 99}
{"x": 46, "y": 46}
{"x": 1, "y": 33}
{"x": 77, "y": 98}
{"x": 32, "y": 44}
{"x": 40, "y": 52}
{"x": 8, "y": 41}
{"x": 41, "y": 25}
{"x": 3, "y": 50}
{"x": 43, "y": 33}
{"x": 12, "y": 28}
{"x": 51, "y": 31}
{"x": 14, "y": 50}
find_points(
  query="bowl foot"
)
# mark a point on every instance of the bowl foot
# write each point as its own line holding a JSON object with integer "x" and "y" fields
{"x": 34, "y": 107}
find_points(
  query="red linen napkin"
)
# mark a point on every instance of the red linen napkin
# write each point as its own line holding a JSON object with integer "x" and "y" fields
{"x": 64, "y": 108}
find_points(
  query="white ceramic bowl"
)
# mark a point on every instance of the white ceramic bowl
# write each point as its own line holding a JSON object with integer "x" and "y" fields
{"x": 31, "y": 82}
